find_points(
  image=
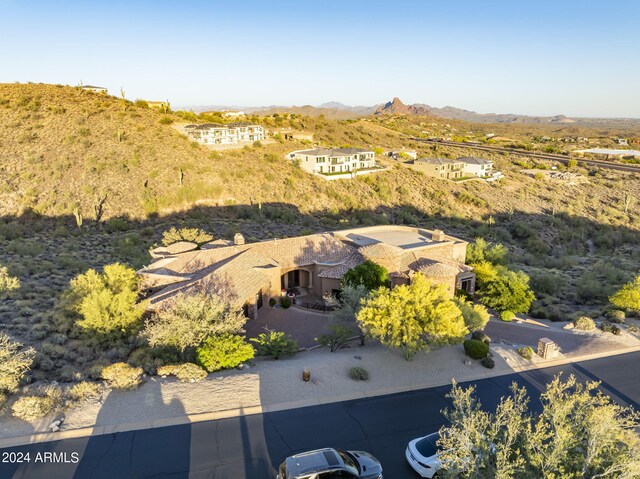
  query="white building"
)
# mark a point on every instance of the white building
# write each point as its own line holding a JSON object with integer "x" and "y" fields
{"x": 231, "y": 134}
{"x": 95, "y": 89}
{"x": 327, "y": 161}
{"x": 477, "y": 166}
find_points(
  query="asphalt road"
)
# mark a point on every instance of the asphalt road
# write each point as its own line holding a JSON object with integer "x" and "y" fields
{"x": 251, "y": 447}
{"x": 564, "y": 159}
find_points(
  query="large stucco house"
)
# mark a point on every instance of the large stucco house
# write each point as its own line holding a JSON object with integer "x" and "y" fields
{"x": 438, "y": 167}
{"x": 229, "y": 134}
{"x": 328, "y": 161}
{"x": 249, "y": 274}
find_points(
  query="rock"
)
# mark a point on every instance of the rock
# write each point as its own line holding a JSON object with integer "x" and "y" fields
{"x": 240, "y": 366}
{"x": 55, "y": 428}
{"x": 55, "y": 425}
{"x": 358, "y": 357}
{"x": 246, "y": 366}
{"x": 467, "y": 362}
{"x": 568, "y": 326}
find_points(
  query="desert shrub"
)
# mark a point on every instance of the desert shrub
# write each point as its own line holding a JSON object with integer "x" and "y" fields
{"x": 475, "y": 316}
{"x": 7, "y": 282}
{"x": 29, "y": 408}
{"x": 616, "y": 316}
{"x": 358, "y": 374}
{"x": 105, "y": 303}
{"x": 475, "y": 349}
{"x": 189, "y": 319}
{"x": 223, "y": 352}
{"x": 122, "y": 376}
{"x": 584, "y": 323}
{"x": 116, "y": 224}
{"x": 186, "y": 372}
{"x": 507, "y": 316}
{"x": 488, "y": 362}
{"x": 272, "y": 302}
{"x": 84, "y": 390}
{"x": 285, "y": 302}
{"x": 276, "y": 344}
{"x": 336, "y": 338}
{"x": 526, "y": 352}
{"x": 165, "y": 120}
{"x": 480, "y": 250}
{"x": 14, "y": 363}
{"x": 481, "y": 336}
{"x": 610, "y": 328}
{"x": 370, "y": 274}
{"x": 193, "y": 235}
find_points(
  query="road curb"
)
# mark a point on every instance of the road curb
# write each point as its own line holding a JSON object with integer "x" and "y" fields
{"x": 268, "y": 408}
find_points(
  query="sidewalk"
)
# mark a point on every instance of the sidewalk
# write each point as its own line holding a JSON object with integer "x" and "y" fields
{"x": 271, "y": 386}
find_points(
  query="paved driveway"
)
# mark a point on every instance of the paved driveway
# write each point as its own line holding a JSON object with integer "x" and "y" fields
{"x": 571, "y": 344}
{"x": 303, "y": 325}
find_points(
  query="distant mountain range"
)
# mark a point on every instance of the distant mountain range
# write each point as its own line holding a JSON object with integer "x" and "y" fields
{"x": 339, "y": 111}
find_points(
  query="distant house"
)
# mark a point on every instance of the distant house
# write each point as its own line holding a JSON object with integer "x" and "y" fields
{"x": 230, "y": 134}
{"x": 477, "y": 166}
{"x": 290, "y": 134}
{"x": 159, "y": 105}
{"x": 327, "y": 161}
{"x": 95, "y": 89}
{"x": 438, "y": 167}
{"x": 249, "y": 274}
{"x": 622, "y": 141}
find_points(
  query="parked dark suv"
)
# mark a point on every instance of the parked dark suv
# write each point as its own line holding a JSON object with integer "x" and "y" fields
{"x": 331, "y": 464}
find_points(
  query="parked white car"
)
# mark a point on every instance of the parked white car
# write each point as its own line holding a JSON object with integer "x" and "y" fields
{"x": 422, "y": 454}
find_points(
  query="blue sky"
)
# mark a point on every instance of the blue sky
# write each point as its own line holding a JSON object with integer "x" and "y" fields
{"x": 579, "y": 58}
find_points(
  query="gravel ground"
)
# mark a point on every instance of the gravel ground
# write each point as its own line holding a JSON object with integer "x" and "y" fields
{"x": 268, "y": 382}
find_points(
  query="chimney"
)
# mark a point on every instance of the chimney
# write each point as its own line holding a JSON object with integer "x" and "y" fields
{"x": 238, "y": 239}
{"x": 438, "y": 235}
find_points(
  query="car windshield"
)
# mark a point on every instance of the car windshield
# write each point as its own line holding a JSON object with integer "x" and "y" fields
{"x": 350, "y": 462}
{"x": 427, "y": 445}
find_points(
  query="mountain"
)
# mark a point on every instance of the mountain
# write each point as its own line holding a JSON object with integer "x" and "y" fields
{"x": 396, "y": 107}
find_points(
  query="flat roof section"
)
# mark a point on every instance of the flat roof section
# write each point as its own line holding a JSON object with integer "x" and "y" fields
{"x": 403, "y": 237}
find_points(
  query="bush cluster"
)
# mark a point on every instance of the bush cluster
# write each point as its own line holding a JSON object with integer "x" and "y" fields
{"x": 358, "y": 374}
{"x": 584, "y": 323}
{"x": 285, "y": 302}
{"x": 475, "y": 349}
{"x": 526, "y": 352}
{"x": 507, "y": 316}
{"x": 84, "y": 390}
{"x": 122, "y": 376}
{"x": 488, "y": 362}
{"x": 223, "y": 351}
{"x": 616, "y": 316}
{"x": 276, "y": 344}
{"x": 610, "y": 328}
{"x": 29, "y": 408}
{"x": 186, "y": 372}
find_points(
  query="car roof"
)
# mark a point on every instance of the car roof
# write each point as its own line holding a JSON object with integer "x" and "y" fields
{"x": 313, "y": 461}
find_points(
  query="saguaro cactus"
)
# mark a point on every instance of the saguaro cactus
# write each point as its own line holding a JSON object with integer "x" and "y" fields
{"x": 78, "y": 216}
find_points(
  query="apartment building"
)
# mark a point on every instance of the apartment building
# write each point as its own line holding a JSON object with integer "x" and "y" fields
{"x": 327, "y": 161}
{"x": 230, "y": 134}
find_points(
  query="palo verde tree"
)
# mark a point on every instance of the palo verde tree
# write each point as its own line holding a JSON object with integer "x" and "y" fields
{"x": 628, "y": 297}
{"x": 413, "y": 317}
{"x": 188, "y": 320}
{"x": 369, "y": 274}
{"x": 580, "y": 433}
{"x": 7, "y": 282}
{"x": 107, "y": 302}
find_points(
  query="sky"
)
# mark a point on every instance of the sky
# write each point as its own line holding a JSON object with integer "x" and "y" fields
{"x": 536, "y": 57}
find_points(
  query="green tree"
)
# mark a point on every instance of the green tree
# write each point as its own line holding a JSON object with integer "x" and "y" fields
{"x": 480, "y": 251}
{"x": 369, "y": 274}
{"x": 224, "y": 351}
{"x": 580, "y": 433}
{"x": 351, "y": 299}
{"x": 7, "y": 282}
{"x": 413, "y": 317}
{"x": 189, "y": 319}
{"x": 475, "y": 316}
{"x": 105, "y": 302}
{"x": 628, "y": 297}
{"x": 14, "y": 363}
{"x": 510, "y": 290}
{"x": 194, "y": 235}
